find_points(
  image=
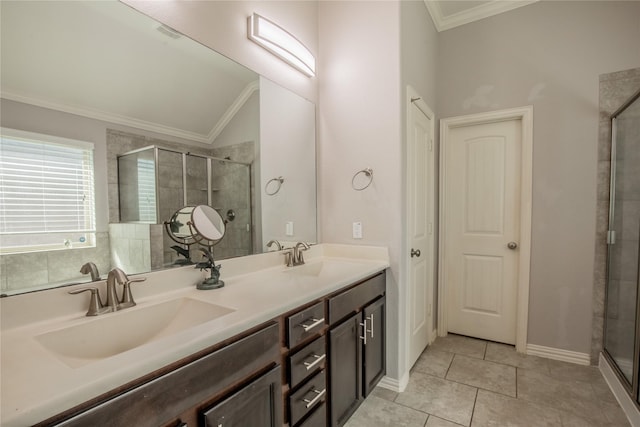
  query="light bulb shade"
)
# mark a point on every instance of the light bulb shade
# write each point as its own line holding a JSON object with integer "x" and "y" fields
{"x": 281, "y": 43}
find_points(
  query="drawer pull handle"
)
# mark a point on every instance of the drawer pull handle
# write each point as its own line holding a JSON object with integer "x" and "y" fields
{"x": 363, "y": 337}
{"x": 319, "y": 394}
{"x": 371, "y": 324}
{"x": 311, "y": 365}
{"x": 316, "y": 322}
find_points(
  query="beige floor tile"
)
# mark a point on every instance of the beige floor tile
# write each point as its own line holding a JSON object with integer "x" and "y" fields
{"x": 434, "y": 421}
{"x": 502, "y": 353}
{"x": 460, "y": 345}
{"x": 572, "y": 420}
{"x": 576, "y": 397}
{"x": 384, "y": 393}
{"x": 436, "y": 396}
{"x": 614, "y": 414}
{"x": 379, "y": 412}
{"x": 573, "y": 372}
{"x": 433, "y": 362}
{"x": 494, "y": 409}
{"x": 602, "y": 391}
{"x": 483, "y": 374}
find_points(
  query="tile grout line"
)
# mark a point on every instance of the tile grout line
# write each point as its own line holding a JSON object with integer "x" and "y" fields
{"x": 473, "y": 411}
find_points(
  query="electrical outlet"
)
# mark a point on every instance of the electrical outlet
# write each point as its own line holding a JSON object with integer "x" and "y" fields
{"x": 357, "y": 230}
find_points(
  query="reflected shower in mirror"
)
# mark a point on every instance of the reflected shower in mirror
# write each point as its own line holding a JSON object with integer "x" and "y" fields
{"x": 104, "y": 73}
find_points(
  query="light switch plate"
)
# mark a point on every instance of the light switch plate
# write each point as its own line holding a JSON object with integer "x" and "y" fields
{"x": 289, "y": 228}
{"x": 357, "y": 230}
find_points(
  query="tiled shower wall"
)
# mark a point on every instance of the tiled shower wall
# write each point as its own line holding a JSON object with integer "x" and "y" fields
{"x": 232, "y": 183}
{"x": 615, "y": 89}
{"x": 30, "y": 271}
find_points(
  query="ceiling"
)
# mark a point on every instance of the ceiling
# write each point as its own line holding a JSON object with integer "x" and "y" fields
{"x": 447, "y": 14}
{"x": 105, "y": 60}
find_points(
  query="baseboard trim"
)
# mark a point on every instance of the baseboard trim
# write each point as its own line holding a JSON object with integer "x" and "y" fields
{"x": 623, "y": 398}
{"x": 393, "y": 384}
{"x": 434, "y": 335}
{"x": 559, "y": 354}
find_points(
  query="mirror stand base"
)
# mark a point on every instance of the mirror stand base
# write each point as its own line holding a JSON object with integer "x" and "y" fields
{"x": 210, "y": 284}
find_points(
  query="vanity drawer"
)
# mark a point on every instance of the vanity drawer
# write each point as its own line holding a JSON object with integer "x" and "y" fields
{"x": 308, "y": 397}
{"x": 317, "y": 419}
{"x": 351, "y": 300}
{"x": 307, "y": 361}
{"x": 305, "y": 324}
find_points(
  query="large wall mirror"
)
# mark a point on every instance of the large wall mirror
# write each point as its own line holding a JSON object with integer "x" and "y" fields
{"x": 172, "y": 122}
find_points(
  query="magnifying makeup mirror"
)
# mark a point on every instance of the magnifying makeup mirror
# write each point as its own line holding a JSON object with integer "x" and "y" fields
{"x": 203, "y": 225}
{"x": 196, "y": 224}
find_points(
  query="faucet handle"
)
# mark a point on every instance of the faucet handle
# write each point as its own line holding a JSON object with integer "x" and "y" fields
{"x": 95, "y": 303}
{"x": 127, "y": 298}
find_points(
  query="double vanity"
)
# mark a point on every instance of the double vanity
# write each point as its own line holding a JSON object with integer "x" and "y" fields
{"x": 278, "y": 345}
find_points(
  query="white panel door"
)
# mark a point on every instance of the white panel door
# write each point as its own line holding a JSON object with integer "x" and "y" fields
{"x": 483, "y": 229}
{"x": 420, "y": 177}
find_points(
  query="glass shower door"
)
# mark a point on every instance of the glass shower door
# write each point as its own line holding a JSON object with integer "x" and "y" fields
{"x": 624, "y": 241}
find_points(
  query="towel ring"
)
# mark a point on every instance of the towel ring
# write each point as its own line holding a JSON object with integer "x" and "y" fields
{"x": 279, "y": 180}
{"x": 368, "y": 172}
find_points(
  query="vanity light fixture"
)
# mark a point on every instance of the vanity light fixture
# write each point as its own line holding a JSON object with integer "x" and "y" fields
{"x": 281, "y": 43}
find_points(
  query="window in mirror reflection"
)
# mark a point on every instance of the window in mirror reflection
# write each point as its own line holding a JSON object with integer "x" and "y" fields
{"x": 46, "y": 193}
{"x": 147, "y": 190}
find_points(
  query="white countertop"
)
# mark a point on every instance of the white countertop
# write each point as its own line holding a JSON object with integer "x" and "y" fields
{"x": 36, "y": 384}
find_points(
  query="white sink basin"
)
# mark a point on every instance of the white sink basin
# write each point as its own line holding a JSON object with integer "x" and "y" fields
{"x": 114, "y": 333}
{"x": 323, "y": 269}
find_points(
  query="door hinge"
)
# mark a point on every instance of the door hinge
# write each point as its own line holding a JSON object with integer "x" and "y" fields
{"x": 430, "y": 228}
{"x": 611, "y": 237}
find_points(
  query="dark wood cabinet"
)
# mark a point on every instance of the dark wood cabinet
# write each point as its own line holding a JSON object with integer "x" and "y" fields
{"x": 345, "y": 364}
{"x": 258, "y": 404}
{"x": 184, "y": 388}
{"x": 298, "y": 370}
{"x": 356, "y": 348}
{"x": 374, "y": 350}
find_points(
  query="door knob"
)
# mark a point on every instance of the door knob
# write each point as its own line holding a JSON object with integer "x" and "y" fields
{"x": 512, "y": 245}
{"x": 415, "y": 252}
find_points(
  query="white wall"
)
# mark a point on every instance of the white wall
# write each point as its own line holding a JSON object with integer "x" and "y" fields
{"x": 548, "y": 55}
{"x": 359, "y": 126}
{"x": 287, "y": 149}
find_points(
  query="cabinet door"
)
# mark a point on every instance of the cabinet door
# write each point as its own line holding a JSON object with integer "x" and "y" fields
{"x": 374, "y": 347}
{"x": 345, "y": 365}
{"x": 259, "y": 404}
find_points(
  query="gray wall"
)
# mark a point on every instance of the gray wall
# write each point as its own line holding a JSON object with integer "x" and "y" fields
{"x": 548, "y": 55}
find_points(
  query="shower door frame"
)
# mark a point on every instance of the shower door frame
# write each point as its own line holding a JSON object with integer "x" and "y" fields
{"x": 633, "y": 387}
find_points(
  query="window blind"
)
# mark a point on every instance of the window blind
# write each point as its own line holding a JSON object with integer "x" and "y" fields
{"x": 46, "y": 192}
{"x": 147, "y": 190}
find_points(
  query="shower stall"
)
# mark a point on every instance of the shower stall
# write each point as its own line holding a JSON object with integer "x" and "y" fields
{"x": 155, "y": 182}
{"x": 622, "y": 320}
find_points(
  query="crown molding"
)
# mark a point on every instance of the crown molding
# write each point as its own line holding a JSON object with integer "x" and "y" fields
{"x": 107, "y": 117}
{"x": 143, "y": 124}
{"x": 476, "y": 13}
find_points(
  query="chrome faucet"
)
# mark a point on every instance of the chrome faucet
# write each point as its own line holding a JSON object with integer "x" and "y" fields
{"x": 298, "y": 259}
{"x": 90, "y": 268}
{"x": 116, "y": 276}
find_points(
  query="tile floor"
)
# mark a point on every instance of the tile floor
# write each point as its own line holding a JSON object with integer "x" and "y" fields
{"x": 461, "y": 381}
